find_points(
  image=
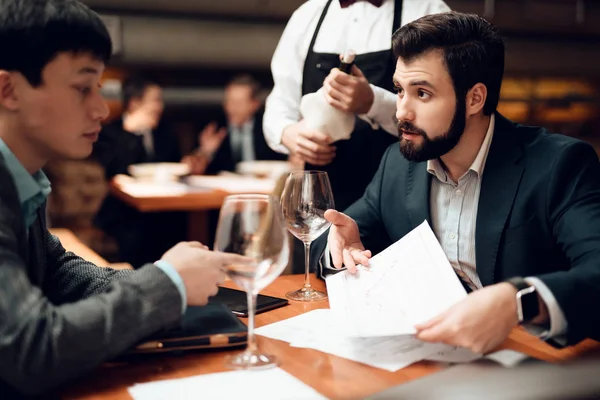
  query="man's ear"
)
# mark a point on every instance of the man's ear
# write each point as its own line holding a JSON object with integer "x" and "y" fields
{"x": 8, "y": 92}
{"x": 476, "y": 98}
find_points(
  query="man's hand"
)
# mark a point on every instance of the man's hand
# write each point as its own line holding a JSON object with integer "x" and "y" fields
{"x": 344, "y": 242}
{"x": 311, "y": 146}
{"x": 481, "y": 322}
{"x": 350, "y": 93}
{"x": 210, "y": 138}
{"x": 196, "y": 162}
{"x": 140, "y": 120}
{"x": 200, "y": 269}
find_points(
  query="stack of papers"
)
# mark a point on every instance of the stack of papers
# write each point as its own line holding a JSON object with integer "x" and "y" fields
{"x": 373, "y": 312}
{"x": 318, "y": 330}
{"x": 408, "y": 283}
{"x": 272, "y": 384}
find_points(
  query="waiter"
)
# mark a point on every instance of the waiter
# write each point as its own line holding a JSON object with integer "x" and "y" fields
{"x": 304, "y": 62}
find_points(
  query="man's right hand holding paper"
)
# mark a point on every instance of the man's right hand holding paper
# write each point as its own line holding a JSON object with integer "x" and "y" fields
{"x": 344, "y": 242}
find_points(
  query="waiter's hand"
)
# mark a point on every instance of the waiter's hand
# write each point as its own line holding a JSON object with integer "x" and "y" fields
{"x": 311, "y": 146}
{"x": 351, "y": 93}
{"x": 344, "y": 242}
{"x": 481, "y": 322}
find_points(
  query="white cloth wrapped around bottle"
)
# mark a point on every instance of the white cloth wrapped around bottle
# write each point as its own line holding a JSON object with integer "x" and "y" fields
{"x": 320, "y": 116}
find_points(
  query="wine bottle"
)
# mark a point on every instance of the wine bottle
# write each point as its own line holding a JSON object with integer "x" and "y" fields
{"x": 347, "y": 61}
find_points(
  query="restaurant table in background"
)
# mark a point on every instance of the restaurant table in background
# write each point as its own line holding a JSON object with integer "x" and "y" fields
{"x": 332, "y": 376}
{"x": 205, "y": 193}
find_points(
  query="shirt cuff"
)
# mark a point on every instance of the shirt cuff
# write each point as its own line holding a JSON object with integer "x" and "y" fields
{"x": 383, "y": 110}
{"x": 274, "y": 141}
{"x": 326, "y": 263}
{"x": 172, "y": 273}
{"x": 558, "y": 322}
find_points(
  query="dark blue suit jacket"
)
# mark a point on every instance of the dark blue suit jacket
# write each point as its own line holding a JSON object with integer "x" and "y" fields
{"x": 538, "y": 215}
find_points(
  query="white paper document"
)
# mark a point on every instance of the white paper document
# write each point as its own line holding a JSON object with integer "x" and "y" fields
{"x": 272, "y": 384}
{"x": 319, "y": 331}
{"x": 409, "y": 282}
{"x": 508, "y": 358}
{"x": 454, "y": 355}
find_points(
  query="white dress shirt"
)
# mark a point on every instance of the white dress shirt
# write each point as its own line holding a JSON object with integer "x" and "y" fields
{"x": 242, "y": 141}
{"x": 361, "y": 27}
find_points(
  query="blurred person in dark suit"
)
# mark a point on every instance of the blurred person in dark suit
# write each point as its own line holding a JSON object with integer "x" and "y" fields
{"x": 241, "y": 139}
{"x": 60, "y": 315}
{"x": 138, "y": 137}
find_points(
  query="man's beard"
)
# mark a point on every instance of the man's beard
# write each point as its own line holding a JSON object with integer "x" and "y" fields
{"x": 437, "y": 147}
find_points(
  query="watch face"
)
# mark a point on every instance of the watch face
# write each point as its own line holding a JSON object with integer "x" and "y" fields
{"x": 529, "y": 303}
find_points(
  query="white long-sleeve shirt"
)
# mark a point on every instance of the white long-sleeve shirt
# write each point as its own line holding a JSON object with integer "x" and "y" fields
{"x": 361, "y": 27}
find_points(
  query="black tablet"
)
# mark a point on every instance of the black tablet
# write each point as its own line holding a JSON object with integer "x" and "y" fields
{"x": 236, "y": 301}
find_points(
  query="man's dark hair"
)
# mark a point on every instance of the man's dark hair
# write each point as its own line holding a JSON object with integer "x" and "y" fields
{"x": 34, "y": 32}
{"x": 247, "y": 80}
{"x": 134, "y": 87}
{"x": 471, "y": 46}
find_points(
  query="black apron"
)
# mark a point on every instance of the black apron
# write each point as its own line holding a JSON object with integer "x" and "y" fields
{"x": 357, "y": 159}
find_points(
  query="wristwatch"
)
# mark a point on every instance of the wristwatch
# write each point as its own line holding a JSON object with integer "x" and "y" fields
{"x": 527, "y": 300}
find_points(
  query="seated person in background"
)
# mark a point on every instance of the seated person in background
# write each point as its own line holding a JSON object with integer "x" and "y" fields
{"x": 515, "y": 208}
{"x": 242, "y": 139}
{"x": 138, "y": 137}
{"x": 60, "y": 315}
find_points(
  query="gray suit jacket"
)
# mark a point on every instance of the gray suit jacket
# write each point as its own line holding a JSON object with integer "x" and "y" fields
{"x": 60, "y": 315}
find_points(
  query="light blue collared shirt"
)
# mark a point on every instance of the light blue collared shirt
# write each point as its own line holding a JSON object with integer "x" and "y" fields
{"x": 33, "y": 190}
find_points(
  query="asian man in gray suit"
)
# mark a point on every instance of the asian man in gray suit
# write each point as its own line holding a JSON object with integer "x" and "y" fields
{"x": 60, "y": 315}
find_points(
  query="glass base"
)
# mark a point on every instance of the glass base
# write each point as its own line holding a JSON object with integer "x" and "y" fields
{"x": 306, "y": 294}
{"x": 251, "y": 360}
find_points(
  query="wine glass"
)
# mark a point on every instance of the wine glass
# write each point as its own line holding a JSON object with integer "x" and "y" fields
{"x": 305, "y": 198}
{"x": 252, "y": 226}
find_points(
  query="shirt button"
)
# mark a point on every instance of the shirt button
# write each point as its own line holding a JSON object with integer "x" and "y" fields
{"x": 458, "y": 192}
{"x": 452, "y": 236}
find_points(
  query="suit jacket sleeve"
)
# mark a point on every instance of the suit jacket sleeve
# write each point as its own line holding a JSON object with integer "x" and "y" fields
{"x": 45, "y": 342}
{"x": 222, "y": 160}
{"x": 366, "y": 211}
{"x": 573, "y": 208}
{"x": 73, "y": 278}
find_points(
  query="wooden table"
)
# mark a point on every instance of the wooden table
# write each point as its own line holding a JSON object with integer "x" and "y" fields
{"x": 197, "y": 203}
{"x": 332, "y": 376}
{"x": 195, "y": 200}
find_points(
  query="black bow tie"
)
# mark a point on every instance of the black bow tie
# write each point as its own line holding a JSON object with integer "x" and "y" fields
{"x": 346, "y": 3}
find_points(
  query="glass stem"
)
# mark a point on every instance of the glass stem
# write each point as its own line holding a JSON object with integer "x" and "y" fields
{"x": 307, "y": 265}
{"x": 252, "y": 346}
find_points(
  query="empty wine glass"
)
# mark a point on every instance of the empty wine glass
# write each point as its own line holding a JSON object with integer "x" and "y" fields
{"x": 252, "y": 226}
{"x": 305, "y": 198}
